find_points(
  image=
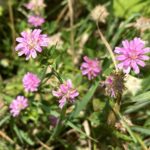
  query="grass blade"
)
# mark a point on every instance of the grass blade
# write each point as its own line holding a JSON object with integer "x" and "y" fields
{"x": 82, "y": 104}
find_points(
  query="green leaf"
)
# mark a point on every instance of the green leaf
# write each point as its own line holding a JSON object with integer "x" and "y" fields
{"x": 1, "y": 10}
{"x": 6, "y": 97}
{"x": 80, "y": 105}
{"x": 121, "y": 29}
{"x": 136, "y": 107}
{"x": 17, "y": 131}
{"x": 141, "y": 101}
{"x": 142, "y": 130}
{"x": 22, "y": 136}
{"x": 145, "y": 84}
{"x": 122, "y": 136}
{"x": 59, "y": 125}
{"x": 95, "y": 119}
{"x": 79, "y": 130}
{"x": 50, "y": 27}
{"x": 26, "y": 138}
{"x": 141, "y": 98}
{"x": 125, "y": 8}
{"x": 4, "y": 120}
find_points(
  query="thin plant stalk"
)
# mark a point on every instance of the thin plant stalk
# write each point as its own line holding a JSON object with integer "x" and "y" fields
{"x": 108, "y": 47}
{"x": 59, "y": 125}
{"x": 71, "y": 15}
{"x": 12, "y": 26}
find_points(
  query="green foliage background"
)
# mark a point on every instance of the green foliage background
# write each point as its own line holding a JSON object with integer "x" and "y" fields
{"x": 32, "y": 129}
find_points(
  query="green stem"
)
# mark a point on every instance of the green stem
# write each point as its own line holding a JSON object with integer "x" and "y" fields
{"x": 57, "y": 75}
{"x": 59, "y": 125}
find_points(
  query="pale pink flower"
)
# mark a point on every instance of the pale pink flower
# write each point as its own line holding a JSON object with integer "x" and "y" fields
{"x": 31, "y": 42}
{"x": 90, "y": 67}
{"x": 31, "y": 82}
{"x": 131, "y": 55}
{"x": 66, "y": 93}
{"x": 17, "y": 105}
{"x": 36, "y": 20}
{"x": 35, "y": 5}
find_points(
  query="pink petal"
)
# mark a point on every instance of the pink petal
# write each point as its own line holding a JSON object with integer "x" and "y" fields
{"x": 135, "y": 67}
{"x": 86, "y": 59}
{"x": 85, "y": 65}
{"x": 56, "y": 93}
{"x": 132, "y": 45}
{"x": 126, "y": 44}
{"x": 63, "y": 88}
{"x": 38, "y": 48}
{"x": 85, "y": 71}
{"x": 28, "y": 56}
{"x": 69, "y": 83}
{"x": 24, "y": 34}
{"x": 127, "y": 62}
{"x": 20, "y": 39}
{"x": 20, "y": 53}
{"x": 127, "y": 69}
{"x": 146, "y": 50}
{"x": 144, "y": 57}
{"x": 89, "y": 76}
{"x": 96, "y": 70}
{"x": 121, "y": 57}
{"x": 74, "y": 94}
{"x": 139, "y": 44}
{"x": 140, "y": 62}
{"x": 62, "y": 102}
{"x": 19, "y": 46}
{"x": 34, "y": 54}
{"x": 120, "y": 65}
{"x": 37, "y": 32}
{"x": 118, "y": 50}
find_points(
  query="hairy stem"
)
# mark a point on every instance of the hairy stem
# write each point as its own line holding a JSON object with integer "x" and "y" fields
{"x": 108, "y": 47}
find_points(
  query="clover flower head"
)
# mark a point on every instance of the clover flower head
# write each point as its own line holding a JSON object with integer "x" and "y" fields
{"x": 31, "y": 42}
{"x": 131, "y": 55}
{"x": 36, "y": 20}
{"x": 108, "y": 83}
{"x": 31, "y": 82}
{"x": 18, "y": 104}
{"x": 90, "y": 67}
{"x": 99, "y": 13}
{"x": 66, "y": 93}
{"x": 114, "y": 84}
{"x": 35, "y": 5}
